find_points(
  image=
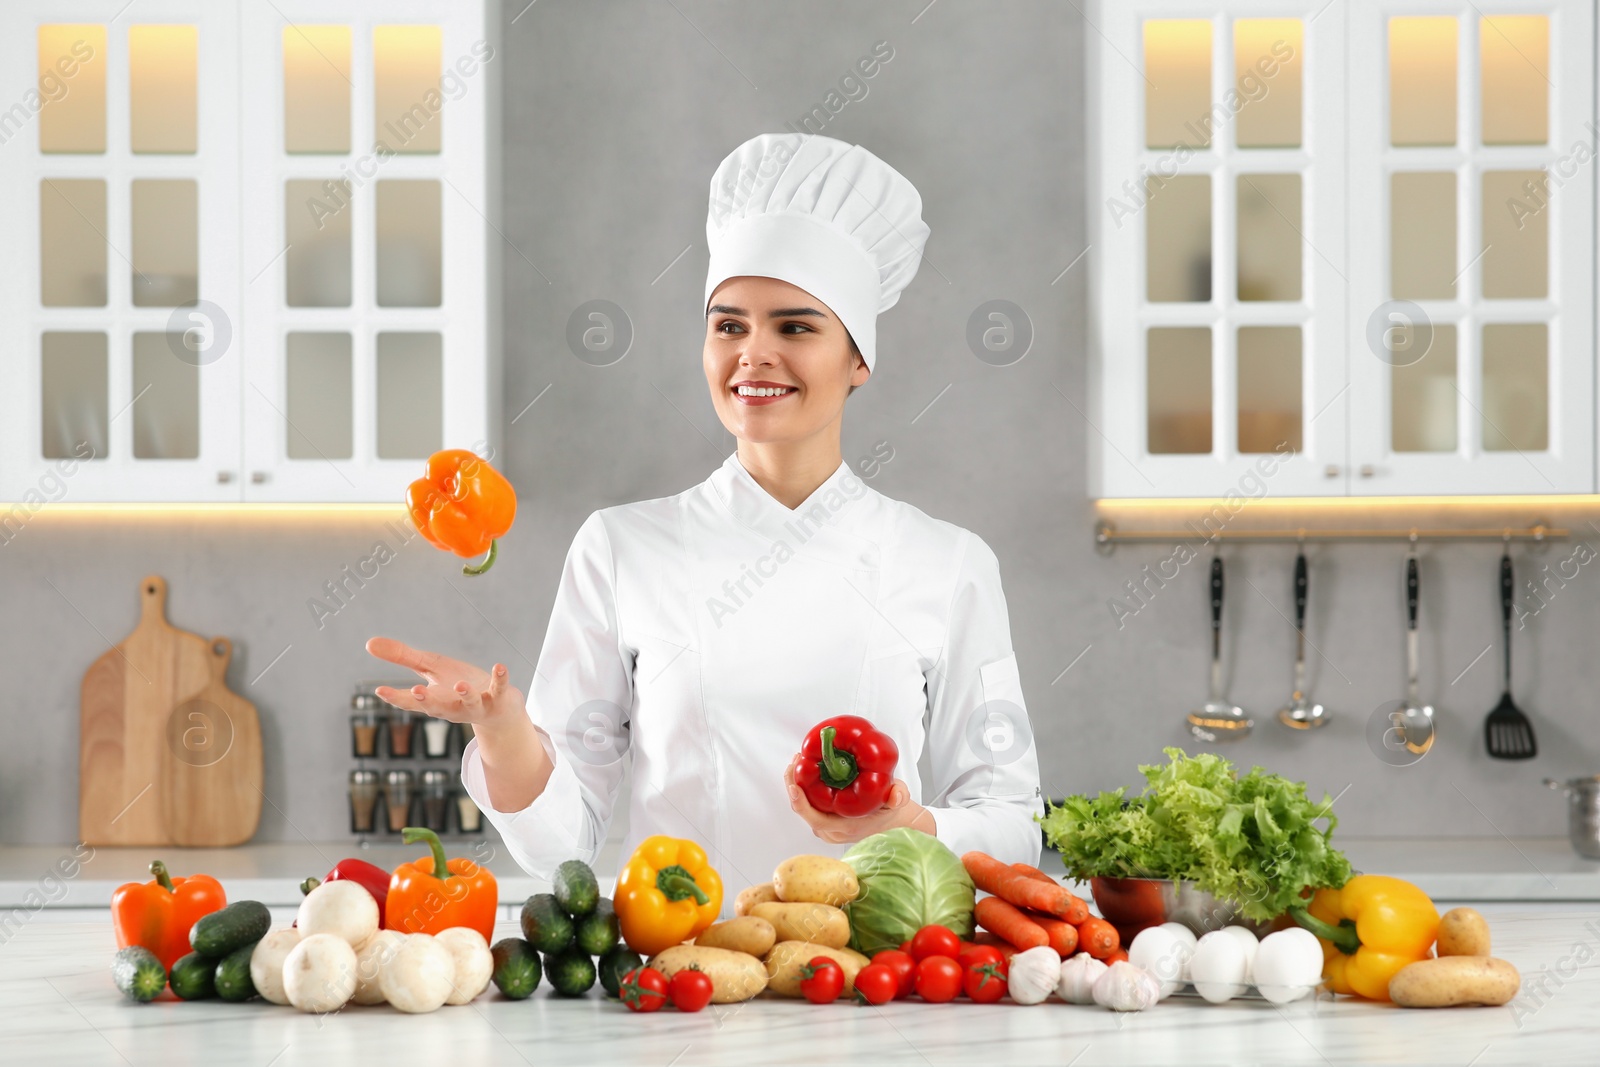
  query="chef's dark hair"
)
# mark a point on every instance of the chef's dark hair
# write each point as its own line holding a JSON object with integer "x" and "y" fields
{"x": 854, "y": 351}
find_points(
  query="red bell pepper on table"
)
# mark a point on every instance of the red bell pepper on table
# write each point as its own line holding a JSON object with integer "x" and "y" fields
{"x": 368, "y": 876}
{"x": 846, "y": 766}
{"x": 158, "y": 914}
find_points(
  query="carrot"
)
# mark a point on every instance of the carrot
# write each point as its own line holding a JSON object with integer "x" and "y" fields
{"x": 1120, "y": 954}
{"x": 1076, "y": 910}
{"x": 999, "y": 917}
{"x": 1007, "y": 949}
{"x": 1098, "y": 937}
{"x": 1014, "y": 887}
{"x": 1063, "y": 935}
{"x": 1032, "y": 872}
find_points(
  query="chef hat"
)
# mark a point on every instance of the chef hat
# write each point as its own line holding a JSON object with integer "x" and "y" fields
{"x": 829, "y": 217}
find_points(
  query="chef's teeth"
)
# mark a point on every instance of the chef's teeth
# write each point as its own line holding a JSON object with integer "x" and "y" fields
{"x": 746, "y": 390}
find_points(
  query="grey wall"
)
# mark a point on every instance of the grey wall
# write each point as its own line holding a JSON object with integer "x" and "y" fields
{"x": 615, "y": 116}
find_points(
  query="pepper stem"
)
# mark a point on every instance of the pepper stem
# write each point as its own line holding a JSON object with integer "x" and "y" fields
{"x": 159, "y": 869}
{"x": 1342, "y": 937}
{"x": 488, "y": 561}
{"x": 309, "y": 884}
{"x": 412, "y": 835}
{"x": 679, "y": 884}
{"x": 838, "y": 768}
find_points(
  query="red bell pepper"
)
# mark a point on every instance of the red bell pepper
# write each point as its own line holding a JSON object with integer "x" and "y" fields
{"x": 846, "y": 766}
{"x": 368, "y": 876}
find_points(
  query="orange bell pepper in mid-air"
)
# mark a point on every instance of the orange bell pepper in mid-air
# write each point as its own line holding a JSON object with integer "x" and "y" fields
{"x": 158, "y": 914}
{"x": 462, "y": 505}
{"x": 421, "y": 902}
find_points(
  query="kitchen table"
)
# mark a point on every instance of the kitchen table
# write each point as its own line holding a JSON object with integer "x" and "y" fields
{"x": 61, "y": 1008}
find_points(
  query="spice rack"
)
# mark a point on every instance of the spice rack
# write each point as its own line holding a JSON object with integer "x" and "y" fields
{"x": 406, "y": 772}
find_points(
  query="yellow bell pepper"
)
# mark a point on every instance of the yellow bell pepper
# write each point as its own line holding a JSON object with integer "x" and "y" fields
{"x": 666, "y": 894}
{"x": 1369, "y": 929}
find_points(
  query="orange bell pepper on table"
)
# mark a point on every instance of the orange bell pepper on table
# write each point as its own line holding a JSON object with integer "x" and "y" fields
{"x": 158, "y": 914}
{"x": 422, "y": 902}
{"x": 463, "y": 505}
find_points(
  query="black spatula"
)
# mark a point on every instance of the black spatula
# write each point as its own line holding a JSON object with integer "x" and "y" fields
{"x": 1507, "y": 731}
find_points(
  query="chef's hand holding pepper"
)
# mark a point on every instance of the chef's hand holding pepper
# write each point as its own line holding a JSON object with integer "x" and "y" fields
{"x": 898, "y": 810}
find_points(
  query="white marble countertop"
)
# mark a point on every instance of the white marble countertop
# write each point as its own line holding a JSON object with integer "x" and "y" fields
{"x": 61, "y": 1008}
{"x": 1462, "y": 869}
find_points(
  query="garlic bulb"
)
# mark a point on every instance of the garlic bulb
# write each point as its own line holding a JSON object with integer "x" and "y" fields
{"x": 1033, "y": 975}
{"x": 1078, "y": 974}
{"x": 1125, "y": 987}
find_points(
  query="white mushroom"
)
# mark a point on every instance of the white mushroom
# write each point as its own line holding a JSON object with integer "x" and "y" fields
{"x": 341, "y": 908}
{"x": 319, "y": 974}
{"x": 266, "y": 963}
{"x": 419, "y": 976}
{"x": 473, "y": 959}
{"x": 369, "y": 965}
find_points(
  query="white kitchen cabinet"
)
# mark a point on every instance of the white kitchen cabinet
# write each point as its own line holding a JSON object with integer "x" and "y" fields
{"x": 1253, "y": 216}
{"x": 257, "y": 257}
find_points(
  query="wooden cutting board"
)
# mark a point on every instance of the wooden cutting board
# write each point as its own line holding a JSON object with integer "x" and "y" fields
{"x": 128, "y": 696}
{"x": 213, "y": 785}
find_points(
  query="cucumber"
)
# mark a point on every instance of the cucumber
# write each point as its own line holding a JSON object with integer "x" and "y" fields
{"x": 614, "y": 965}
{"x": 138, "y": 974}
{"x": 544, "y": 925}
{"x": 193, "y": 977}
{"x": 232, "y": 976}
{"x": 516, "y": 968}
{"x": 575, "y": 888}
{"x": 598, "y": 932}
{"x": 571, "y": 972}
{"x": 220, "y": 933}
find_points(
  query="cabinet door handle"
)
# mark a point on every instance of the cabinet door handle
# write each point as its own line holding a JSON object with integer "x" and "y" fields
{"x": 258, "y": 477}
{"x": 224, "y": 477}
{"x": 1368, "y": 470}
{"x": 1331, "y": 471}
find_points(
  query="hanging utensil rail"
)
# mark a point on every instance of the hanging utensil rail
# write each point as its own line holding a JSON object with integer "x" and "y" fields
{"x": 1107, "y": 536}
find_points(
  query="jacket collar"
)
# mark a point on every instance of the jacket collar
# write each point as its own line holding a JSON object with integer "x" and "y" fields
{"x": 835, "y": 521}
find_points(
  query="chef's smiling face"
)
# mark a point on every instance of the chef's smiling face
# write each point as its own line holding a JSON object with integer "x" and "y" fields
{"x": 778, "y": 361}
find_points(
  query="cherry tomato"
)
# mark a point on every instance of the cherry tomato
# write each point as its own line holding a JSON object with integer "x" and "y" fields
{"x": 905, "y": 946}
{"x": 938, "y": 979}
{"x": 643, "y": 989}
{"x": 934, "y": 941}
{"x": 904, "y": 968}
{"x": 984, "y": 983}
{"x": 821, "y": 980}
{"x": 978, "y": 955}
{"x": 690, "y": 989}
{"x": 877, "y": 983}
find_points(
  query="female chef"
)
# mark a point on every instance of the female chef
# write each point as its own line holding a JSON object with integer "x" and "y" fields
{"x": 707, "y": 632}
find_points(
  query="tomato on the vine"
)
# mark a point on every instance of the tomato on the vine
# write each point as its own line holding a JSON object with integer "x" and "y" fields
{"x": 904, "y": 968}
{"x": 938, "y": 979}
{"x": 690, "y": 989}
{"x": 877, "y": 984}
{"x": 978, "y": 955}
{"x": 822, "y": 980}
{"x": 643, "y": 989}
{"x": 984, "y": 983}
{"x": 934, "y": 941}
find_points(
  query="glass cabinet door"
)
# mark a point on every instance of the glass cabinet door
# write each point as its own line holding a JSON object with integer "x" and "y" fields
{"x": 1472, "y": 233}
{"x": 366, "y": 150}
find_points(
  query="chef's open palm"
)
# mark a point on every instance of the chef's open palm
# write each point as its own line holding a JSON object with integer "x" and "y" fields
{"x": 457, "y": 691}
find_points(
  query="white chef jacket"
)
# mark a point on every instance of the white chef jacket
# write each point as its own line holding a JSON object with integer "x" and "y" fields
{"x": 707, "y": 632}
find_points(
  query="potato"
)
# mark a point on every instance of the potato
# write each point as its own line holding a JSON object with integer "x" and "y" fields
{"x": 1463, "y": 932}
{"x": 747, "y": 934}
{"x": 735, "y": 976}
{"x": 788, "y": 958}
{"x": 749, "y": 898}
{"x": 815, "y": 880}
{"x": 821, "y": 924}
{"x": 1449, "y": 981}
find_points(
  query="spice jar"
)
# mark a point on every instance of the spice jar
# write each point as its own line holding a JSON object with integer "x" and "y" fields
{"x": 363, "y": 801}
{"x": 467, "y": 814}
{"x": 436, "y": 800}
{"x": 402, "y": 728}
{"x": 365, "y": 721}
{"x": 399, "y": 788}
{"x": 436, "y": 737}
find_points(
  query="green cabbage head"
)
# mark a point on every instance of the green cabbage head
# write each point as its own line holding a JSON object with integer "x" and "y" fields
{"x": 908, "y": 880}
